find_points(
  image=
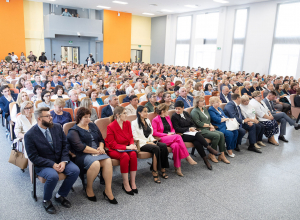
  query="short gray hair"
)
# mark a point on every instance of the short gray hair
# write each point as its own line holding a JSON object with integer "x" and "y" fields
{"x": 128, "y": 90}
{"x": 181, "y": 88}
{"x": 38, "y": 112}
{"x": 109, "y": 98}
{"x": 150, "y": 94}
{"x": 224, "y": 87}
{"x": 110, "y": 89}
{"x": 23, "y": 106}
{"x": 71, "y": 92}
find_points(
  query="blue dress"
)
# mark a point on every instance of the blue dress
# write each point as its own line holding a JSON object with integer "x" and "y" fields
{"x": 61, "y": 119}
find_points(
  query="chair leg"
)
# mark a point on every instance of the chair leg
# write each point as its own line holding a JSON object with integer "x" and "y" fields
{"x": 33, "y": 193}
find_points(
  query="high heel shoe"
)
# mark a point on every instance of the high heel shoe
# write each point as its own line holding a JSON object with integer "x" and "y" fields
{"x": 156, "y": 177}
{"x": 213, "y": 151}
{"x": 213, "y": 158}
{"x": 128, "y": 192}
{"x": 178, "y": 172}
{"x": 223, "y": 158}
{"x": 134, "y": 190}
{"x": 93, "y": 198}
{"x": 113, "y": 201}
{"x": 208, "y": 165}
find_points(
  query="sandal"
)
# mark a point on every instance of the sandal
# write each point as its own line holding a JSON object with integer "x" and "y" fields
{"x": 156, "y": 177}
{"x": 164, "y": 175}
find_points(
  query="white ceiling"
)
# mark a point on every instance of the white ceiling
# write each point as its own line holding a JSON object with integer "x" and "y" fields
{"x": 138, "y": 7}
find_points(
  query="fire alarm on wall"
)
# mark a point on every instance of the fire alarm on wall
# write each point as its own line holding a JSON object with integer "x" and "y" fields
{"x": 118, "y": 13}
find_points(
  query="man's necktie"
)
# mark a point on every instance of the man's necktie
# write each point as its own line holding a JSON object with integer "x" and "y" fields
{"x": 48, "y": 137}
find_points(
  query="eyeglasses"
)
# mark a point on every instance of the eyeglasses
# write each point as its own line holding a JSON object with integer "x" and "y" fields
{"x": 28, "y": 108}
{"x": 47, "y": 116}
{"x": 46, "y": 96}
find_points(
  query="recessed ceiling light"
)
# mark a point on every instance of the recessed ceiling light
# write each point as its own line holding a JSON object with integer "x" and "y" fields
{"x": 191, "y": 6}
{"x": 165, "y": 10}
{"x": 145, "y": 13}
{"x": 221, "y": 1}
{"x": 119, "y": 2}
{"x": 100, "y": 6}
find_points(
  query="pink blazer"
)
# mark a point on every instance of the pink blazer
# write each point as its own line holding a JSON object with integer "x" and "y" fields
{"x": 158, "y": 127}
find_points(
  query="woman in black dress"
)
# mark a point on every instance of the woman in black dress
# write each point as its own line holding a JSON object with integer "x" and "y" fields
{"x": 87, "y": 144}
{"x": 183, "y": 123}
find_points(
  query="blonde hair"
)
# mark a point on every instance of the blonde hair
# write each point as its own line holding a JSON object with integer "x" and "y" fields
{"x": 197, "y": 86}
{"x": 254, "y": 94}
{"x": 159, "y": 90}
{"x": 59, "y": 102}
{"x": 86, "y": 102}
{"x": 245, "y": 98}
{"x": 213, "y": 100}
{"x": 84, "y": 82}
{"x": 285, "y": 86}
{"x": 161, "y": 107}
{"x": 196, "y": 101}
{"x": 246, "y": 83}
{"x": 23, "y": 106}
{"x": 19, "y": 99}
{"x": 118, "y": 111}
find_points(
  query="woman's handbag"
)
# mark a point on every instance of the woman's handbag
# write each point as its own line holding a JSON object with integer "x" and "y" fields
{"x": 17, "y": 157}
{"x": 232, "y": 124}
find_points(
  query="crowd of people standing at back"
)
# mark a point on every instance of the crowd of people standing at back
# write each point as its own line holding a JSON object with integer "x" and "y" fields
{"x": 261, "y": 106}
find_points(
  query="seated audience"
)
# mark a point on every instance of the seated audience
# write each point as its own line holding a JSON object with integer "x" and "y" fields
{"x": 202, "y": 121}
{"x": 264, "y": 116}
{"x": 166, "y": 98}
{"x": 20, "y": 84}
{"x": 283, "y": 97}
{"x": 120, "y": 144}
{"x": 143, "y": 132}
{"x": 45, "y": 96}
{"x": 87, "y": 103}
{"x": 297, "y": 102}
{"x": 225, "y": 95}
{"x": 218, "y": 118}
{"x": 151, "y": 102}
{"x": 198, "y": 91}
{"x": 294, "y": 87}
{"x": 176, "y": 92}
{"x": 144, "y": 97}
{"x": 159, "y": 93}
{"x": 5, "y": 100}
{"x": 48, "y": 86}
{"x": 40, "y": 142}
{"x": 59, "y": 93}
{"x": 279, "y": 116}
{"x": 55, "y": 82}
{"x": 37, "y": 91}
{"x": 87, "y": 143}
{"x": 138, "y": 88}
{"x": 246, "y": 89}
{"x": 16, "y": 109}
{"x": 28, "y": 87}
{"x": 58, "y": 114}
{"x": 93, "y": 95}
{"x": 37, "y": 79}
{"x": 254, "y": 87}
{"x": 163, "y": 128}
{"x": 132, "y": 107}
{"x": 129, "y": 92}
{"x": 187, "y": 100}
{"x": 73, "y": 102}
{"x": 109, "y": 109}
{"x": 183, "y": 123}
{"x": 68, "y": 86}
{"x": 235, "y": 90}
{"x": 208, "y": 89}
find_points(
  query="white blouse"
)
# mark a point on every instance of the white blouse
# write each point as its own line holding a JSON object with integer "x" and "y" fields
{"x": 260, "y": 109}
{"x": 23, "y": 125}
{"x": 248, "y": 111}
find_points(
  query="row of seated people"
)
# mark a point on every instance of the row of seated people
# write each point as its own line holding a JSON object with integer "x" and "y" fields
{"x": 121, "y": 135}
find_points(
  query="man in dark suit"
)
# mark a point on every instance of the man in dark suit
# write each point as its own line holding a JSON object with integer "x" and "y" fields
{"x": 107, "y": 67}
{"x": 187, "y": 100}
{"x": 46, "y": 147}
{"x": 279, "y": 116}
{"x": 73, "y": 101}
{"x": 277, "y": 105}
{"x": 90, "y": 60}
{"x": 225, "y": 95}
{"x": 5, "y": 100}
{"x": 109, "y": 110}
{"x": 55, "y": 81}
{"x": 240, "y": 82}
{"x": 233, "y": 110}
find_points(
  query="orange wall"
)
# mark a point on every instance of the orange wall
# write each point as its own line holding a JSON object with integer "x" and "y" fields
{"x": 12, "y": 31}
{"x": 116, "y": 36}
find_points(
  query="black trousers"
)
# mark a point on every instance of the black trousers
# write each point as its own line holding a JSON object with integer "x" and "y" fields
{"x": 198, "y": 141}
{"x": 298, "y": 118}
{"x": 160, "y": 150}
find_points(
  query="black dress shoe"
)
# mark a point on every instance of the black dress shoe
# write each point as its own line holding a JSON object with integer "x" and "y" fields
{"x": 63, "y": 201}
{"x": 282, "y": 138}
{"x": 134, "y": 190}
{"x": 297, "y": 127}
{"x": 113, "y": 201}
{"x": 237, "y": 149}
{"x": 128, "y": 192}
{"x": 49, "y": 207}
{"x": 93, "y": 198}
{"x": 254, "y": 149}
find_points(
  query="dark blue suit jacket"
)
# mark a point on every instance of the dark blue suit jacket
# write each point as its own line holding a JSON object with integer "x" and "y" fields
{"x": 232, "y": 112}
{"x": 4, "y": 104}
{"x": 222, "y": 98}
{"x": 40, "y": 152}
{"x": 216, "y": 118}
{"x": 106, "y": 112}
{"x": 189, "y": 98}
{"x": 59, "y": 83}
{"x": 42, "y": 84}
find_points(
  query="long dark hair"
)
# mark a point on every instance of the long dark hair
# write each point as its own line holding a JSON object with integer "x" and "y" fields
{"x": 139, "y": 109}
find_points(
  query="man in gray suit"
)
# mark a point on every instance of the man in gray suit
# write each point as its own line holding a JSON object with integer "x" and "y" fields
{"x": 277, "y": 105}
{"x": 73, "y": 101}
{"x": 279, "y": 116}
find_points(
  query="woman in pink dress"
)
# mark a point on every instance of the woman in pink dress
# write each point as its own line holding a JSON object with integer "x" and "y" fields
{"x": 163, "y": 128}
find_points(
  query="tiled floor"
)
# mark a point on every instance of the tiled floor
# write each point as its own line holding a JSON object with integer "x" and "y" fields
{"x": 253, "y": 186}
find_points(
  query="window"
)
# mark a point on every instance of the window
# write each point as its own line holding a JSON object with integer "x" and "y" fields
{"x": 286, "y": 43}
{"x": 183, "y": 40}
{"x": 206, "y": 34}
{"x": 239, "y": 39}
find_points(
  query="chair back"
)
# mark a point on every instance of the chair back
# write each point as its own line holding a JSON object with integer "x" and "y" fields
{"x": 143, "y": 103}
{"x": 102, "y": 124}
{"x": 206, "y": 98}
{"x": 11, "y": 86}
{"x": 292, "y": 97}
{"x": 104, "y": 97}
{"x": 222, "y": 106}
{"x": 99, "y": 110}
{"x": 14, "y": 82}
{"x": 189, "y": 110}
{"x": 37, "y": 102}
{"x": 140, "y": 95}
{"x": 124, "y": 104}
{"x": 174, "y": 100}
{"x": 171, "y": 112}
{"x": 16, "y": 91}
{"x": 131, "y": 118}
{"x": 67, "y": 126}
{"x": 151, "y": 116}
{"x": 121, "y": 97}
{"x": 240, "y": 90}
{"x": 262, "y": 94}
{"x": 75, "y": 111}
{"x": 70, "y": 111}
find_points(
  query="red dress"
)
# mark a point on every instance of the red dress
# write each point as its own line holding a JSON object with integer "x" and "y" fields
{"x": 118, "y": 139}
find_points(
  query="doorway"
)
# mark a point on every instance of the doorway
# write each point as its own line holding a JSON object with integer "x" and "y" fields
{"x": 70, "y": 54}
{"x": 136, "y": 56}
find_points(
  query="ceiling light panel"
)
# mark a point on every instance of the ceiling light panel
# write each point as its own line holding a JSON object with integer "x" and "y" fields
{"x": 120, "y": 2}
{"x": 100, "y": 6}
{"x": 165, "y": 10}
{"x": 191, "y": 6}
{"x": 145, "y": 13}
{"x": 221, "y": 1}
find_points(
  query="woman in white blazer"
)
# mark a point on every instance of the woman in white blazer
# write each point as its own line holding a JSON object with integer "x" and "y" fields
{"x": 142, "y": 131}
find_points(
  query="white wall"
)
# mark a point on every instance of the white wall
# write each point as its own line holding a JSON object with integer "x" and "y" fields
{"x": 258, "y": 47}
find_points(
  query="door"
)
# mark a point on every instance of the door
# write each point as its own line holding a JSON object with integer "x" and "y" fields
{"x": 70, "y": 54}
{"x": 136, "y": 56}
